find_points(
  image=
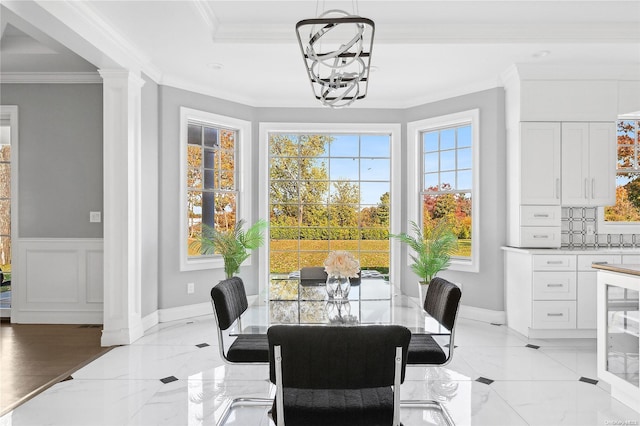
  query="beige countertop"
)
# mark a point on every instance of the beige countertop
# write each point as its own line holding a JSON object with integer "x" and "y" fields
{"x": 622, "y": 269}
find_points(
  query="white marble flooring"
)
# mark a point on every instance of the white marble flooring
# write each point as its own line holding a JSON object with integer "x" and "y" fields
{"x": 494, "y": 379}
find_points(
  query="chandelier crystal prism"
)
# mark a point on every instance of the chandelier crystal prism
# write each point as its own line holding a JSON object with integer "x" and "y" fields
{"x": 336, "y": 48}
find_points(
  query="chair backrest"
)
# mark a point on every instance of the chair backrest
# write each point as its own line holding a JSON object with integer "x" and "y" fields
{"x": 442, "y": 301}
{"x": 325, "y": 357}
{"x": 316, "y": 275}
{"x": 229, "y": 300}
{"x": 313, "y": 275}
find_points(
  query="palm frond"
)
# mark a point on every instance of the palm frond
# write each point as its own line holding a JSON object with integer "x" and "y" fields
{"x": 433, "y": 248}
{"x": 233, "y": 244}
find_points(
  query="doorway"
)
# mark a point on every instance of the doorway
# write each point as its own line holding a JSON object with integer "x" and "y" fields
{"x": 8, "y": 144}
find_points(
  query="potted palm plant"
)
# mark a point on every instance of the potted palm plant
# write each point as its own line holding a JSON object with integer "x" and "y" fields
{"x": 233, "y": 245}
{"x": 432, "y": 251}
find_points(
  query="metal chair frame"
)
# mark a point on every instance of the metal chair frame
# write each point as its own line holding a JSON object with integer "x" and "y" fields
{"x": 239, "y": 401}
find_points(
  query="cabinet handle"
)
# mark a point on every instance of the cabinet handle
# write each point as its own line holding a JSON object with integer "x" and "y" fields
{"x": 540, "y": 236}
{"x": 600, "y": 263}
{"x": 558, "y": 188}
{"x": 554, "y": 262}
{"x": 541, "y": 215}
{"x": 554, "y": 314}
{"x": 555, "y": 285}
{"x": 586, "y": 182}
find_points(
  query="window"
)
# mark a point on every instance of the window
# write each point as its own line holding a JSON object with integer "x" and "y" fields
{"x": 624, "y": 216}
{"x": 329, "y": 192}
{"x": 212, "y": 148}
{"x": 329, "y": 188}
{"x": 445, "y": 172}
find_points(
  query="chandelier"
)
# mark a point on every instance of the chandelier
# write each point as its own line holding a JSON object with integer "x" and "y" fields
{"x": 336, "y": 48}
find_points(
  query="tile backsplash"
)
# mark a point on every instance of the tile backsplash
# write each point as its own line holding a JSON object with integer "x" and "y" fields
{"x": 577, "y": 221}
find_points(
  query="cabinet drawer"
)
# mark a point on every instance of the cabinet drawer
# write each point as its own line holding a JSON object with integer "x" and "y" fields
{"x": 540, "y": 236}
{"x": 554, "y": 314}
{"x": 631, "y": 259}
{"x": 585, "y": 260}
{"x": 554, "y": 262}
{"x": 554, "y": 285}
{"x": 540, "y": 215}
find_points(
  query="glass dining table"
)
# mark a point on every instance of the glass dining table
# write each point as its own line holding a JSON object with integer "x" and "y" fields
{"x": 372, "y": 299}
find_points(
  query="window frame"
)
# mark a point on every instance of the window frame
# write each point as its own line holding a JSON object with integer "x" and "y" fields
{"x": 605, "y": 227}
{"x": 394, "y": 129}
{"x": 242, "y": 169}
{"x": 415, "y": 177}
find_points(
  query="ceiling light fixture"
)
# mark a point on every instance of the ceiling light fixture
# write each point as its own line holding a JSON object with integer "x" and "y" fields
{"x": 336, "y": 48}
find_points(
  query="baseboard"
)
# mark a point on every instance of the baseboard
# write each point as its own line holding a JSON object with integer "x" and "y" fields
{"x": 150, "y": 320}
{"x": 481, "y": 314}
{"x": 183, "y": 312}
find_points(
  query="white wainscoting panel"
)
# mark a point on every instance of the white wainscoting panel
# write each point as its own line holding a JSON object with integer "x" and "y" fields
{"x": 59, "y": 281}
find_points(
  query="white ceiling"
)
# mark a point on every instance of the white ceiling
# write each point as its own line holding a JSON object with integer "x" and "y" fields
{"x": 423, "y": 50}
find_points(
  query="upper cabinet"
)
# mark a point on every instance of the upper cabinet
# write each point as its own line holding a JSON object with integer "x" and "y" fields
{"x": 588, "y": 164}
{"x": 540, "y": 164}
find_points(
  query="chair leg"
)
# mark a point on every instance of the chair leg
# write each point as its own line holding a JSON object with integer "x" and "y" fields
{"x": 240, "y": 402}
{"x": 429, "y": 403}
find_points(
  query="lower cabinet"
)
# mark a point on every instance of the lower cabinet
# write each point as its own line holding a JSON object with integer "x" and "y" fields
{"x": 552, "y": 295}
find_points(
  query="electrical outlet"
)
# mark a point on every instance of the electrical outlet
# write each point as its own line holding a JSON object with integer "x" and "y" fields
{"x": 95, "y": 217}
{"x": 591, "y": 229}
{"x": 191, "y": 288}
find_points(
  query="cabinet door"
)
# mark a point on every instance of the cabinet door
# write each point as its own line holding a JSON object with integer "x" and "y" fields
{"x": 602, "y": 164}
{"x": 586, "y": 300}
{"x": 540, "y": 163}
{"x": 575, "y": 164}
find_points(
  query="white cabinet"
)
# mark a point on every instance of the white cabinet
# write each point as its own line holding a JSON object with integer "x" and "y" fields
{"x": 540, "y": 164}
{"x": 586, "y": 291}
{"x": 588, "y": 164}
{"x": 534, "y": 187}
{"x": 552, "y": 295}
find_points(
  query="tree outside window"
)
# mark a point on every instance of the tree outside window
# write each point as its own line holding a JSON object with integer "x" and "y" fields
{"x": 211, "y": 179}
{"x": 447, "y": 182}
{"x": 627, "y": 207}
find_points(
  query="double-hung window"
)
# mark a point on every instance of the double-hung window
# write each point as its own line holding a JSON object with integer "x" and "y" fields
{"x": 624, "y": 216}
{"x": 212, "y": 147}
{"x": 443, "y": 175}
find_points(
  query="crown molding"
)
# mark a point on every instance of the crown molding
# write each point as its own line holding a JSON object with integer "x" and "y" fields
{"x": 208, "y": 16}
{"x": 50, "y": 77}
{"x": 93, "y": 37}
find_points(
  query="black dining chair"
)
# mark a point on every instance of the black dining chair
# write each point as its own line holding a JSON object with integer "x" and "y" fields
{"x": 313, "y": 276}
{"x": 441, "y": 303}
{"x": 337, "y": 375}
{"x": 229, "y": 301}
{"x": 316, "y": 275}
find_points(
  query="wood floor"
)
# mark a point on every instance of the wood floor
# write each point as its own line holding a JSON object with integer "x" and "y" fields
{"x": 36, "y": 356}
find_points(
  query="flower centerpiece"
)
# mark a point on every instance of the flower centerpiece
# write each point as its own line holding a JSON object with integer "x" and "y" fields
{"x": 340, "y": 266}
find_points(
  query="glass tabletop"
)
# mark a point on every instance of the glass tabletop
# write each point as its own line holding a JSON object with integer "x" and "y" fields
{"x": 395, "y": 309}
{"x": 371, "y": 285}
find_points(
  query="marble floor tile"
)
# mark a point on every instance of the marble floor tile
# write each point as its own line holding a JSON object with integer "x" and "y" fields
{"x": 494, "y": 379}
{"x": 564, "y": 403}
{"x": 514, "y": 363}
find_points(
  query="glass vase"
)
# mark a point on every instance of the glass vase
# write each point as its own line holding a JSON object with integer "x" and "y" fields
{"x": 338, "y": 288}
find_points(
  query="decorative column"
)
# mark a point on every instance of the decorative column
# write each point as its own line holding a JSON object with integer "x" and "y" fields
{"x": 122, "y": 207}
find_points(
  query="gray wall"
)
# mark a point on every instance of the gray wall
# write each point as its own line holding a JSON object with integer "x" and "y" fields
{"x": 172, "y": 288}
{"x": 60, "y": 158}
{"x": 483, "y": 289}
{"x": 150, "y": 193}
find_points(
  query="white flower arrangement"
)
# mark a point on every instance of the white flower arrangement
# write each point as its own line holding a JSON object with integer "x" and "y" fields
{"x": 341, "y": 263}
